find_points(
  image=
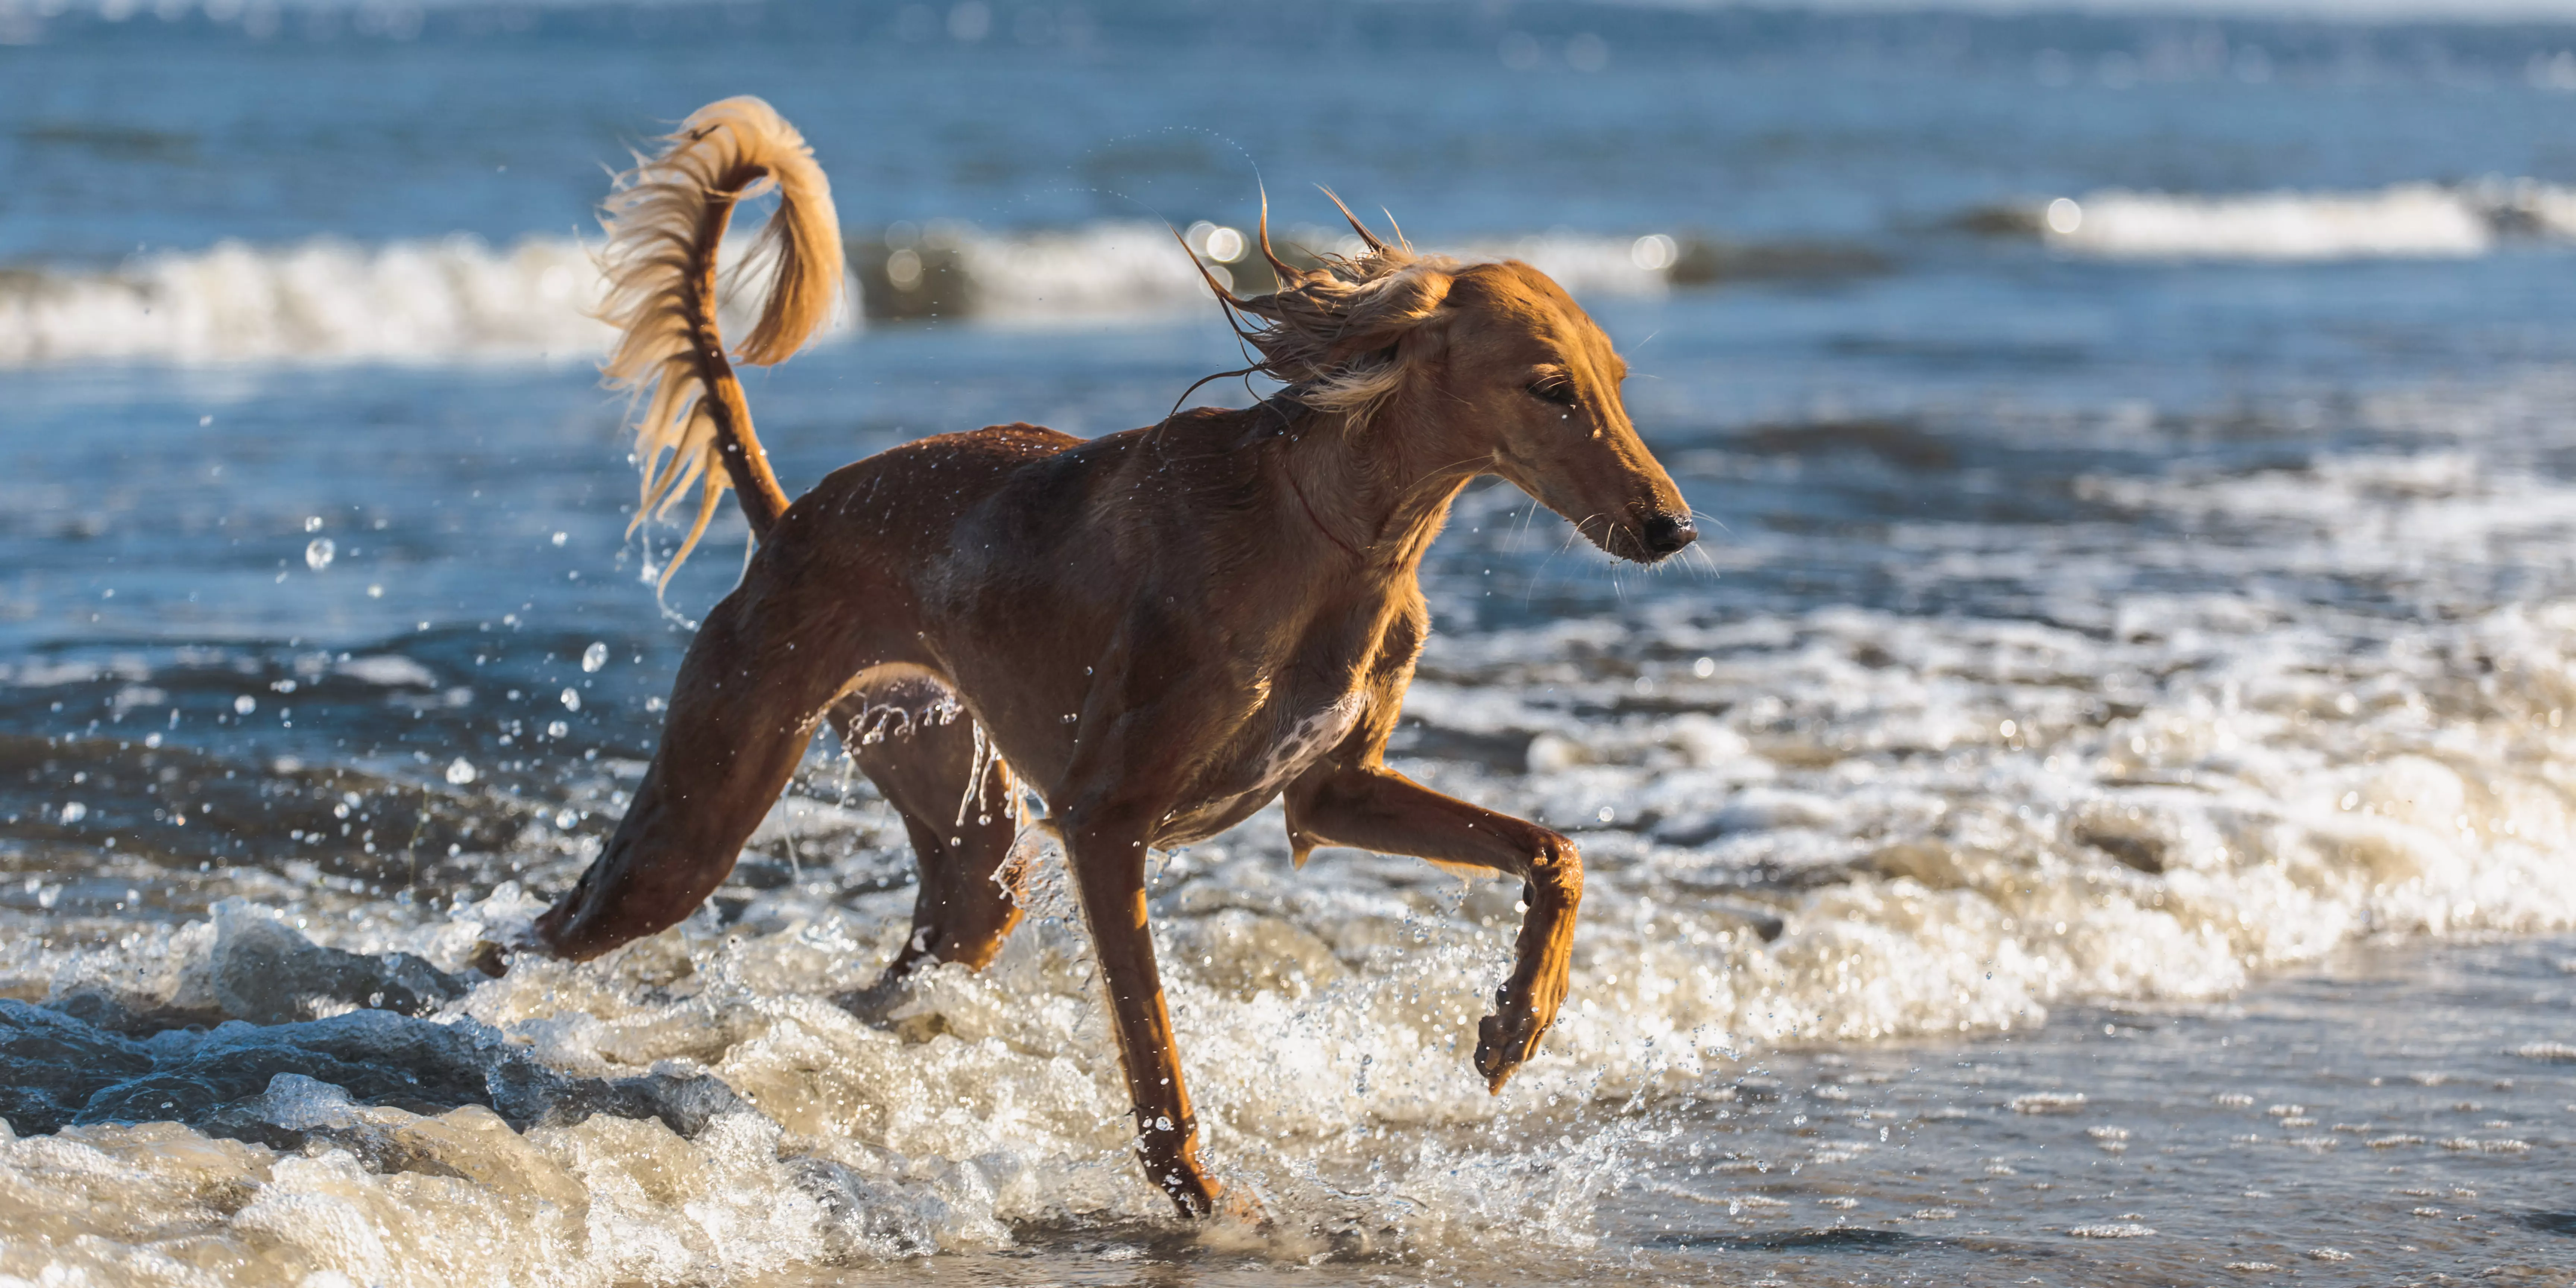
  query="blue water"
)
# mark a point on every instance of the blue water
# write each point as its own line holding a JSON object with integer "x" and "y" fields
{"x": 2004, "y": 540}
{"x": 1751, "y": 122}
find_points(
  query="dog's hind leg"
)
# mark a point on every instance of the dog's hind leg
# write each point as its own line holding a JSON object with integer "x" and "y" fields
{"x": 765, "y": 666}
{"x": 958, "y": 805}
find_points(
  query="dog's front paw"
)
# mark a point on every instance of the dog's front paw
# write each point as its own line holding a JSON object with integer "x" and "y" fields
{"x": 1240, "y": 1208}
{"x": 1509, "y": 1037}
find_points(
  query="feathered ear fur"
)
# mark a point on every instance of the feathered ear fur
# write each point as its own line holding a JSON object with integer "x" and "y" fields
{"x": 1331, "y": 333}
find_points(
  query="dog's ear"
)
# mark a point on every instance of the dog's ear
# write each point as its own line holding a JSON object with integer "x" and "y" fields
{"x": 1383, "y": 333}
{"x": 1383, "y": 314}
{"x": 1425, "y": 345}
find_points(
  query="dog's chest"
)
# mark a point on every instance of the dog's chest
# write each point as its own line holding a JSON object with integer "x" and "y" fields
{"x": 1306, "y": 735}
{"x": 1293, "y": 739}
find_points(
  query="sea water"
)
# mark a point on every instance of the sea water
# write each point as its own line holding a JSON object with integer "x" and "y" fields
{"x": 2093, "y": 808}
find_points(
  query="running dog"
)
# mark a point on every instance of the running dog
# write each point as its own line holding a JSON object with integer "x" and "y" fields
{"x": 1155, "y": 632}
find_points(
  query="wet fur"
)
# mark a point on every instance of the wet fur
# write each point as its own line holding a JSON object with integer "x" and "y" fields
{"x": 1149, "y": 630}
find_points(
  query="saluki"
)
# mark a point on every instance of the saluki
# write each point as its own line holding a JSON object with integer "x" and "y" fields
{"x": 1155, "y": 632}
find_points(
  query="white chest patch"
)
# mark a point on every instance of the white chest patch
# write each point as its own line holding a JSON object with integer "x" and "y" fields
{"x": 1307, "y": 739}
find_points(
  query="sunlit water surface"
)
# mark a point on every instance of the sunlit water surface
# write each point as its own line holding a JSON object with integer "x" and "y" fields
{"x": 2094, "y": 809}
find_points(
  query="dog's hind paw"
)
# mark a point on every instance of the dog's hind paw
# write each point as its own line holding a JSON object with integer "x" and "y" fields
{"x": 488, "y": 958}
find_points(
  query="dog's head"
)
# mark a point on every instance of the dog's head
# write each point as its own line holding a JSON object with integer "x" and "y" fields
{"x": 1491, "y": 366}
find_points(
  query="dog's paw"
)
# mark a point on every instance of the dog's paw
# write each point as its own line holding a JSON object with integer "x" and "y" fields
{"x": 1239, "y": 1208}
{"x": 1192, "y": 1190}
{"x": 488, "y": 958}
{"x": 1507, "y": 1039}
{"x": 1242, "y": 1224}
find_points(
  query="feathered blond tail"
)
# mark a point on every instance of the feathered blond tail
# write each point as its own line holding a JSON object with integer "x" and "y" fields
{"x": 665, "y": 218}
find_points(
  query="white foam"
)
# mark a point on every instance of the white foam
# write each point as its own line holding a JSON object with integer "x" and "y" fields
{"x": 456, "y": 299}
{"x": 608, "y": 1201}
{"x": 2408, "y": 220}
{"x": 1326, "y": 1016}
{"x": 2415, "y": 220}
{"x": 452, "y": 299}
{"x": 1100, "y": 270}
{"x": 1131, "y": 269}
{"x": 1957, "y": 876}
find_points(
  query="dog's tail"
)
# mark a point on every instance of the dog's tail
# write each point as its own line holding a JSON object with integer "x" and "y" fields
{"x": 665, "y": 218}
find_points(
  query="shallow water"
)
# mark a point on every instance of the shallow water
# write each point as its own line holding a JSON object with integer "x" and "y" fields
{"x": 2395, "y": 1100}
{"x": 2090, "y": 647}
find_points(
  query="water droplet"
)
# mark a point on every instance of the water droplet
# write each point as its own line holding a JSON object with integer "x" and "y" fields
{"x": 594, "y": 657}
{"x": 74, "y": 811}
{"x": 318, "y": 553}
{"x": 245, "y": 704}
{"x": 460, "y": 771}
{"x": 572, "y": 700}
{"x": 560, "y": 537}
{"x": 557, "y": 729}
{"x": 313, "y": 523}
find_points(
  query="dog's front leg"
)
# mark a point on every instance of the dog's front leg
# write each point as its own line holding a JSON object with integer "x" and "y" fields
{"x": 1371, "y": 807}
{"x": 1106, "y": 848}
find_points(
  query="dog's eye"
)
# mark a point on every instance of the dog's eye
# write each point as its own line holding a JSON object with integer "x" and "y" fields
{"x": 1554, "y": 389}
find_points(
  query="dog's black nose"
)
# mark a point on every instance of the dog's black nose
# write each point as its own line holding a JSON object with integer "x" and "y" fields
{"x": 1666, "y": 533}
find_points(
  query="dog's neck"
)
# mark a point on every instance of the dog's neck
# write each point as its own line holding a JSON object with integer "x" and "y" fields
{"x": 1378, "y": 492}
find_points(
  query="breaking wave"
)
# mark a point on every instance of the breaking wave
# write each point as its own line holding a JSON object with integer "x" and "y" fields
{"x": 2404, "y": 221}
{"x": 459, "y": 300}
{"x": 324, "y": 301}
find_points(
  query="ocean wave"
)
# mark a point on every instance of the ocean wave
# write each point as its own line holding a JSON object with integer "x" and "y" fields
{"x": 453, "y": 299}
{"x": 457, "y": 299}
{"x": 2418, "y": 220}
{"x": 1114, "y": 269}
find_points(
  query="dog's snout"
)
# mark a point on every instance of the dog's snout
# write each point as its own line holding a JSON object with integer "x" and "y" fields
{"x": 1667, "y": 533}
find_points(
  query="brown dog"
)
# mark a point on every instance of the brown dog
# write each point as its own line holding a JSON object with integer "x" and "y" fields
{"x": 1156, "y": 631}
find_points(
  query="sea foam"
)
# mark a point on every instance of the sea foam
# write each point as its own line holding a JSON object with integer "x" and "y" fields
{"x": 458, "y": 299}
{"x": 1846, "y": 826}
{"x": 2419, "y": 220}
{"x": 323, "y": 301}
